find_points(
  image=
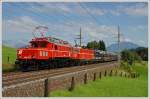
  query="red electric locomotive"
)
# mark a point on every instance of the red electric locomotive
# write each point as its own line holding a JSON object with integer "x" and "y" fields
{"x": 52, "y": 52}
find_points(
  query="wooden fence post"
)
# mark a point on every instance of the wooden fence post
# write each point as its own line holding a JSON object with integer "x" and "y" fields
{"x": 105, "y": 73}
{"x": 116, "y": 73}
{"x": 100, "y": 75}
{"x": 110, "y": 73}
{"x": 134, "y": 75}
{"x": 94, "y": 77}
{"x": 85, "y": 78}
{"x": 125, "y": 75}
{"x": 121, "y": 74}
{"x": 138, "y": 74}
{"x": 46, "y": 91}
{"x": 129, "y": 75}
{"x": 72, "y": 84}
{"x": 8, "y": 59}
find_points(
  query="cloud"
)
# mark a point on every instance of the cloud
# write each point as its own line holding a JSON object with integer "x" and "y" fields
{"x": 18, "y": 28}
{"x": 49, "y": 8}
{"x": 125, "y": 39}
{"x": 138, "y": 28}
{"x": 21, "y": 24}
{"x": 115, "y": 12}
{"x": 138, "y": 9}
{"x": 65, "y": 9}
{"x": 141, "y": 42}
{"x": 96, "y": 11}
{"x": 25, "y": 25}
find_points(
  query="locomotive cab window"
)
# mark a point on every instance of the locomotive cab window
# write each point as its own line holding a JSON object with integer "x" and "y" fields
{"x": 34, "y": 45}
{"x": 38, "y": 44}
{"x": 43, "y": 44}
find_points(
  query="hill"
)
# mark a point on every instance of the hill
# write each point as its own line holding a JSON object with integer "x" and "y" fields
{"x": 14, "y": 43}
{"x": 123, "y": 45}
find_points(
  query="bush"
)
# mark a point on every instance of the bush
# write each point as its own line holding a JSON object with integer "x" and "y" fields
{"x": 130, "y": 57}
{"x": 126, "y": 67}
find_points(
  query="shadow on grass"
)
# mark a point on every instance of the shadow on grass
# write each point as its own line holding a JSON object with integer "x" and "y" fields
{"x": 9, "y": 68}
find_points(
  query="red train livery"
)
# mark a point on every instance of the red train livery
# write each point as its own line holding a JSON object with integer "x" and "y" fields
{"x": 53, "y": 52}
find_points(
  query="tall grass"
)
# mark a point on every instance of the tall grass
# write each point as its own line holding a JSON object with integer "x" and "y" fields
{"x": 11, "y": 53}
{"x": 113, "y": 86}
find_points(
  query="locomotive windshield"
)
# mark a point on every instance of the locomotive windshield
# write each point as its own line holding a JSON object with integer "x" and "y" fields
{"x": 38, "y": 44}
{"x": 58, "y": 41}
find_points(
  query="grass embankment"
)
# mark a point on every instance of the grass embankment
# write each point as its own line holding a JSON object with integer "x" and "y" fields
{"x": 113, "y": 86}
{"x": 11, "y": 52}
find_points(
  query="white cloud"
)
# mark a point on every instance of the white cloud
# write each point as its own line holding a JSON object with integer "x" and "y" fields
{"x": 65, "y": 8}
{"x": 96, "y": 11}
{"x": 125, "y": 39}
{"x": 49, "y": 8}
{"x": 19, "y": 28}
{"x": 115, "y": 12}
{"x": 141, "y": 42}
{"x": 23, "y": 24}
{"x": 139, "y": 9}
{"x": 138, "y": 28}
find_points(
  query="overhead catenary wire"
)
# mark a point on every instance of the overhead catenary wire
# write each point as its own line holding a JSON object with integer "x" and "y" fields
{"x": 90, "y": 14}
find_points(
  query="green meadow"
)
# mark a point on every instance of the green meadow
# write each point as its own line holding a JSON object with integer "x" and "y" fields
{"x": 11, "y": 53}
{"x": 114, "y": 86}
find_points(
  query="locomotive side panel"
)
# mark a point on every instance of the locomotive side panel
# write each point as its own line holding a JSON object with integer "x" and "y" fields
{"x": 61, "y": 51}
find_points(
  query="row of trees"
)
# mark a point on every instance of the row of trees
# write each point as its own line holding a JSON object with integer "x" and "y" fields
{"x": 130, "y": 56}
{"x": 99, "y": 45}
{"x": 142, "y": 52}
{"x": 133, "y": 55}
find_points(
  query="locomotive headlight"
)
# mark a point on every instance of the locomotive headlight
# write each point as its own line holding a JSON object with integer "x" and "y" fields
{"x": 20, "y": 52}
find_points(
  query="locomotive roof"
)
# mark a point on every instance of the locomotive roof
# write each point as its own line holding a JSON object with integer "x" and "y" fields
{"x": 51, "y": 39}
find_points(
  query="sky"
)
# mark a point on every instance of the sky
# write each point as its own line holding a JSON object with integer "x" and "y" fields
{"x": 97, "y": 20}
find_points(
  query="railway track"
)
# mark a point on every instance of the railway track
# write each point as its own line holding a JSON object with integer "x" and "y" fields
{"x": 21, "y": 77}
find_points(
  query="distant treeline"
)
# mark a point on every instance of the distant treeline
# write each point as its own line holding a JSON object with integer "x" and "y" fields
{"x": 140, "y": 53}
{"x": 99, "y": 45}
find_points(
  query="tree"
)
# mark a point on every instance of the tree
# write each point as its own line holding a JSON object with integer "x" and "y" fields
{"x": 100, "y": 45}
{"x": 130, "y": 56}
{"x": 92, "y": 45}
{"x": 142, "y": 52}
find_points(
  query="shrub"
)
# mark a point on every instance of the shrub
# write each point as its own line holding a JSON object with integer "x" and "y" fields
{"x": 130, "y": 57}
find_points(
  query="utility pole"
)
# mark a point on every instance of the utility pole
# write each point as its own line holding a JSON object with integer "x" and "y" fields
{"x": 119, "y": 45}
{"x": 80, "y": 37}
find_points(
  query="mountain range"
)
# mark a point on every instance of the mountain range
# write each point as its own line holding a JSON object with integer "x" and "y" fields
{"x": 123, "y": 45}
{"x": 14, "y": 44}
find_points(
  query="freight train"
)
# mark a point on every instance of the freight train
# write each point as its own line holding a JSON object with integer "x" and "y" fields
{"x": 49, "y": 52}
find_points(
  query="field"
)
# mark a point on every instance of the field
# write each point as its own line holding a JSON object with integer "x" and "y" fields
{"x": 11, "y": 52}
{"x": 113, "y": 86}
